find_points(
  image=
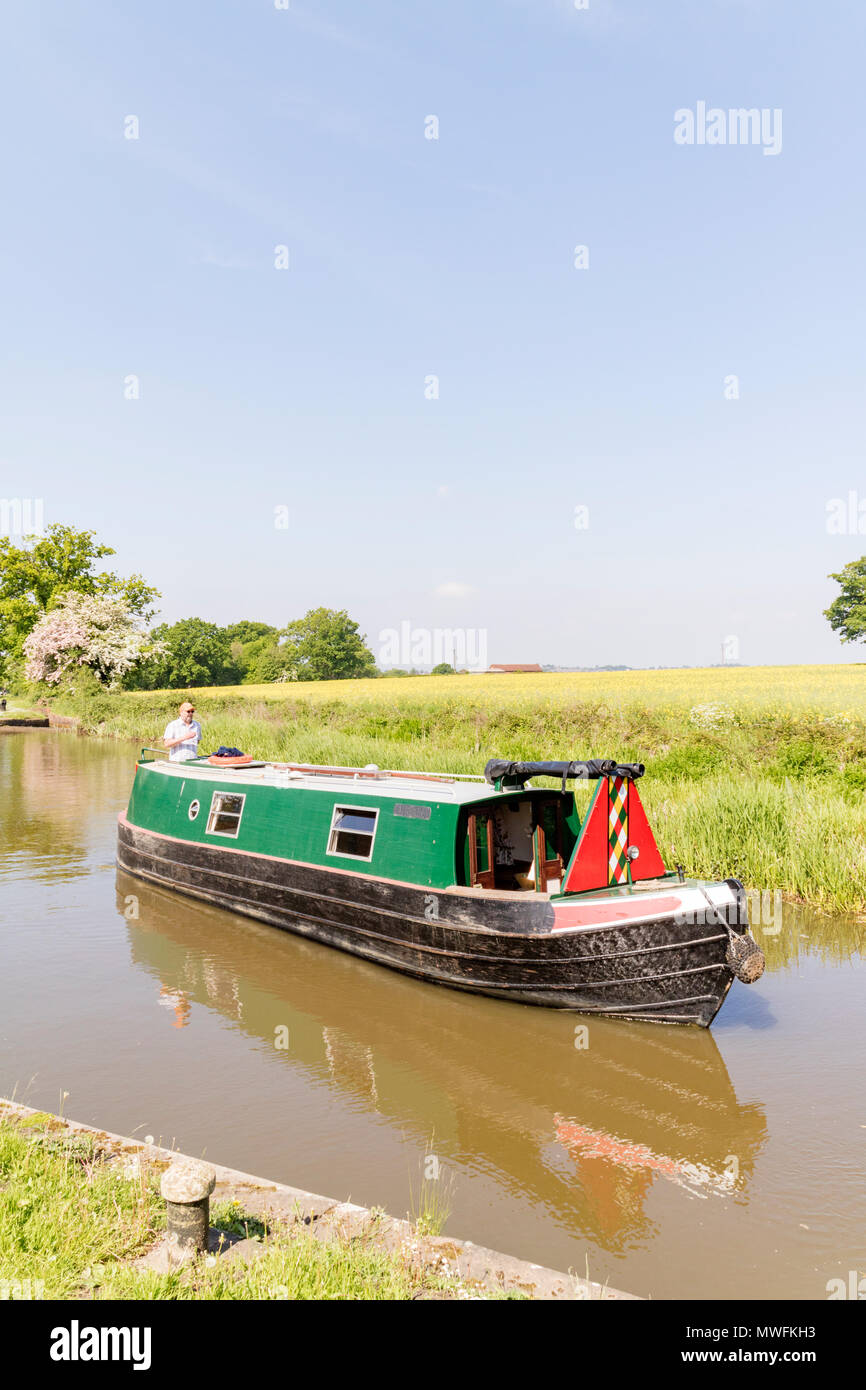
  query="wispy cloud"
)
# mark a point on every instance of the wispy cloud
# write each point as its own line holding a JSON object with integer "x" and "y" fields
{"x": 453, "y": 589}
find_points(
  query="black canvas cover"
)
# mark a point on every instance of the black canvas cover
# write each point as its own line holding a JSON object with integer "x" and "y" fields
{"x": 591, "y": 770}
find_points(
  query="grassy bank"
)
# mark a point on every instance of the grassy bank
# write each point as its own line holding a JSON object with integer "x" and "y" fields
{"x": 73, "y": 1220}
{"x": 758, "y": 772}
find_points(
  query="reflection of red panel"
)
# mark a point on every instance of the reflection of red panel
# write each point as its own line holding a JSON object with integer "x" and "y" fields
{"x": 567, "y": 916}
{"x": 589, "y": 867}
{"x": 583, "y": 1143}
{"x": 613, "y": 1187}
{"x": 600, "y": 1145}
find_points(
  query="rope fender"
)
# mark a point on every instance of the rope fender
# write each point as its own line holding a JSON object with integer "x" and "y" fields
{"x": 743, "y": 956}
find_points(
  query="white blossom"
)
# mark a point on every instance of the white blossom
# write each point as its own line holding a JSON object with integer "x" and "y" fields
{"x": 94, "y": 630}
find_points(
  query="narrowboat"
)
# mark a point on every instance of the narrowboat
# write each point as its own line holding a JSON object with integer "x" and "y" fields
{"x": 494, "y": 884}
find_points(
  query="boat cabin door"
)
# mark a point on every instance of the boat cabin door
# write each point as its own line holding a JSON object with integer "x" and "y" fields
{"x": 482, "y": 855}
{"x": 547, "y": 843}
{"x": 524, "y": 854}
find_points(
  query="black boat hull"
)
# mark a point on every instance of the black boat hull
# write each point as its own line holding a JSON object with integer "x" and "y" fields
{"x": 659, "y": 970}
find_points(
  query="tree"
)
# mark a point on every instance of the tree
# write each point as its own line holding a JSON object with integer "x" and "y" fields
{"x": 266, "y": 665}
{"x": 254, "y": 648}
{"x": 443, "y": 669}
{"x": 194, "y": 652}
{"x": 847, "y": 612}
{"x": 96, "y": 631}
{"x": 325, "y": 645}
{"x": 34, "y": 574}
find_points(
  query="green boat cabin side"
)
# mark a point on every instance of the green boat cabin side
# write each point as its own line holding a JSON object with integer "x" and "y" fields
{"x": 435, "y": 844}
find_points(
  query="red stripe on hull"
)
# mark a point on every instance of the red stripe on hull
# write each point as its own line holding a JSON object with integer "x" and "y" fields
{"x": 567, "y": 916}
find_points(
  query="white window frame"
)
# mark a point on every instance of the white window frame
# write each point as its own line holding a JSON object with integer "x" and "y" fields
{"x": 338, "y": 853}
{"x": 226, "y": 834}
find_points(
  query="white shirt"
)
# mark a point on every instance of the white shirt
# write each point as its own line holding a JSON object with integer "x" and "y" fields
{"x": 182, "y": 752}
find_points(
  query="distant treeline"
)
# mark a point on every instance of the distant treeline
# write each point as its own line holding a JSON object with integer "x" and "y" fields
{"x": 323, "y": 645}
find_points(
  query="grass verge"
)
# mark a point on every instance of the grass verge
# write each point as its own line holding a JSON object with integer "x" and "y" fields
{"x": 73, "y": 1219}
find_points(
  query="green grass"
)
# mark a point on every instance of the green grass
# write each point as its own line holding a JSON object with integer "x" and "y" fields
{"x": 64, "y": 1213}
{"x": 72, "y": 1223}
{"x": 296, "y": 1266}
{"x": 770, "y": 792}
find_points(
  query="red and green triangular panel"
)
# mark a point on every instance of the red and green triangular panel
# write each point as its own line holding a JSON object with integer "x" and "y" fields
{"x": 615, "y": 822}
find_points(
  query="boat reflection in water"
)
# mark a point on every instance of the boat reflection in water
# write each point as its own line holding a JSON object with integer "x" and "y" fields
{"x": 583, "y": 1131}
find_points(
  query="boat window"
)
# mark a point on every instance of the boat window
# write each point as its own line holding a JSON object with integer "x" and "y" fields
{"x": 353, "y": 829}
{"x": 226, "y": 810}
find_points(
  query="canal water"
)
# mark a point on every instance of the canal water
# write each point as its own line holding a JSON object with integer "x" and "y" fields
{"x": 667, "y": 1162}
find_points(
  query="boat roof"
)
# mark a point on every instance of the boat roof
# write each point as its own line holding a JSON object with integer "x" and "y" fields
{"x": 458, "y": 788}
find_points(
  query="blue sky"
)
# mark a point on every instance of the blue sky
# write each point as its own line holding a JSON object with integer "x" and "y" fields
{"x": 409, "y": 257}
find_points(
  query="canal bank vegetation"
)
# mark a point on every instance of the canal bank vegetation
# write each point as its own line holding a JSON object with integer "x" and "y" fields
{"x": 75, "y": 1218}
{"x": 754, "y": 772}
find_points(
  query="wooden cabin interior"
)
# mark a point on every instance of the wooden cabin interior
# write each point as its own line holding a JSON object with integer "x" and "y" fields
{"x": 519, "y": 844}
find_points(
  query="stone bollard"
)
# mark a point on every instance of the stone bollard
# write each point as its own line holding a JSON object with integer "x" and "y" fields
{"x": 186, "y": 1187}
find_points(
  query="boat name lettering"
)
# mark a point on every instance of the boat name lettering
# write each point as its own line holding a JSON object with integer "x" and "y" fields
{"x": 403, "y": 808}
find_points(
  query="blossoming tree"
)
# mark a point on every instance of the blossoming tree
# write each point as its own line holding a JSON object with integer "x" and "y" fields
{"x": 98, "y": 631}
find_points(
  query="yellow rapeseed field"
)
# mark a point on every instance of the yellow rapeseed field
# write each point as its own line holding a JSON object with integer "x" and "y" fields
{"x": 802, "y": 690}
